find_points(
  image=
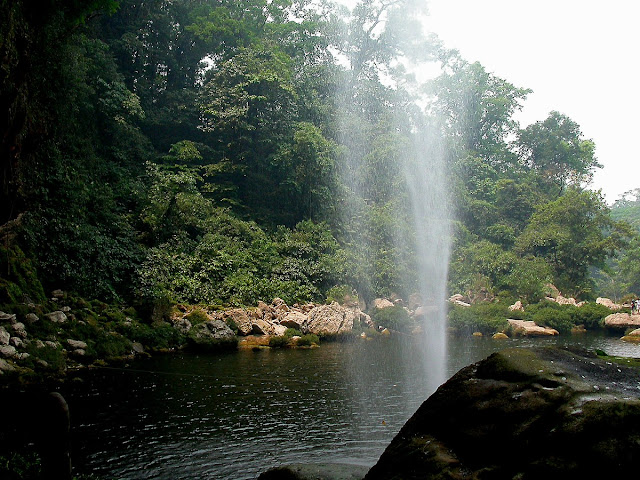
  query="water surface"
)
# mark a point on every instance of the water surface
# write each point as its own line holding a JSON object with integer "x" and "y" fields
{"x": 234, "y": 415}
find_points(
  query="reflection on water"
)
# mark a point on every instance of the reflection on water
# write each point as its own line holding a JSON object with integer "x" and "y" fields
{"x": 234, "y": 415}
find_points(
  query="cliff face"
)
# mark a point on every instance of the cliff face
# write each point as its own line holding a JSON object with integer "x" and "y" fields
{"x": 525, "y": 414}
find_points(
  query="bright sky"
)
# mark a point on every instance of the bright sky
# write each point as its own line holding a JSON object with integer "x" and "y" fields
{"x": 578, "y": 56}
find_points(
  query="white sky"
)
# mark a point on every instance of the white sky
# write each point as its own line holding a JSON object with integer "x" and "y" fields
{"x": 580, "y": 57}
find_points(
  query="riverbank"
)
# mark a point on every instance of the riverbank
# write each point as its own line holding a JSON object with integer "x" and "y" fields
{"x": 66, "y": 333}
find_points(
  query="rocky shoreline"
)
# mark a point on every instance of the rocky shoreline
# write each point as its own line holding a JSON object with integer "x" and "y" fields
{"x": 68, "y": 333}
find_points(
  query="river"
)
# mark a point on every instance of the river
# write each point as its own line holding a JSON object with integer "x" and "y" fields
{"x": 234, "y": 415}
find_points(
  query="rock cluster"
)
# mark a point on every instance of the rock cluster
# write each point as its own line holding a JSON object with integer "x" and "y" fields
{"x": 274, "y": 319}
{"x": 13, "y": 341}
{"x": 21, "y": 350}
{"x": 608, "y": 303}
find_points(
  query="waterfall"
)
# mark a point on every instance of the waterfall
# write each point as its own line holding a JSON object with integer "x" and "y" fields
{"x": 395, "y": 180}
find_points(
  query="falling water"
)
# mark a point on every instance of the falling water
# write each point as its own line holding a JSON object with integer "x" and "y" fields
{"x": 426, "y": 178}
{"x": 420, "y": 160}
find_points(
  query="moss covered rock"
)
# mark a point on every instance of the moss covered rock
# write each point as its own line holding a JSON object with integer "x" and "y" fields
{"x": 526, "y": 414}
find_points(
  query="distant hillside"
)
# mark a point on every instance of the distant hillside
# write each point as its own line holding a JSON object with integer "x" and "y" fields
{"x": 627, "y": 208}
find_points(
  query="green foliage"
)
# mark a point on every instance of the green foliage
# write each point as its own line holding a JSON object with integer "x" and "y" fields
{"x": 17, "y": 465}
{"x": 393, "y": 318}
{"x": 560, "y": 319}
{"x": 145, "y": 174}
{"x": 18, "y": 278}
{"x": 292, "y": 332}
{"x": 487, "y": 318}
{"x": 279, "y": 342}
{"x": 307, "y": 340}
{"x": 555, "y": 148}
{"x": 343, "y": 294}
{"x": 156, "y": 337}
{"x": 197, "y": 316}
{"x": 591, "y": 315}
{"x": 572, "y": 234}
{"x": 552, "y": 315}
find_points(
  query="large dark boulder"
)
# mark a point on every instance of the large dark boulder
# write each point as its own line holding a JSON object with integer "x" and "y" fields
{"x": 523, "y": 414}
{"x": 318, "y": 471}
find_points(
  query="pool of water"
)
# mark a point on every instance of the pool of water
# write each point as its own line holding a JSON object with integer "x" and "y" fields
{"x": 234, "y": 415}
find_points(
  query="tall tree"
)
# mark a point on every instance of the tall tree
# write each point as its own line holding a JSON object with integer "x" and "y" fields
{"x": 556, "y": 150}
{"x": 573, "y": 233}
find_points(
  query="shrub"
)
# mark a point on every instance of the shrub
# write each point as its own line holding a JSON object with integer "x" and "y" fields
{"x": 54, "y": 358}
{"x": 279, "y": 342}
{"x": 393, "y": 318}
{"x": 292, "y": 332}
{"x": 487, "y": 318}
{"x": 308, "y": 340}
{"x": 552, "y": 315}
{"x": 158, "y": 336}
{"x": 343, "y": 294}
{"x": 197, "y": 316}
{"x": 233, "y": 326}
{"x": 591, "y": 315}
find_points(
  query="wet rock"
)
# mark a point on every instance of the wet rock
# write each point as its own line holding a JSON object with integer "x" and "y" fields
{"x": 137, "y": 348}
{"x": 525, "y": 414}
{"x": 263, "y": 306}
{"x": 8, "y": 317}
{"x": 57, "y": 294}
{"x": 279, "y": 330}
{"x": 6, "y": 366}
{"x": 560, "y": 300}
{"x": 183, "y": 325}
{"x": 7, "y": 351}
{"x": 529, "y": 328}
{"x": 329, "y": 320}
{"x": 212, "y": 334}
{"x": 578, "y": 329}
{"x": 500, "y": 336}
{"x": 633, "y": 336}
{"x": 460, "y": 303}
{"x": 4, "y": 336}
{"x": 263, "y": 327}
{"x": 323, "y": 471}
{"x": 366, "y": 320}
{"x": 57, "y": 317}
{"x": 77, "y": 344}
{"x": 622, "y": 321}
{"x": 19, "y": 330}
